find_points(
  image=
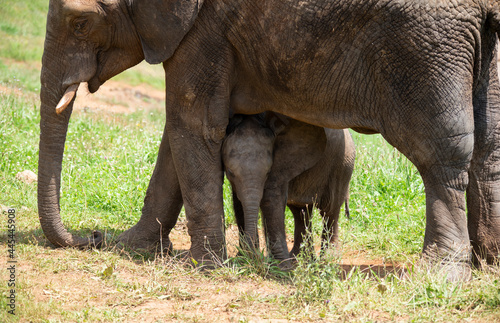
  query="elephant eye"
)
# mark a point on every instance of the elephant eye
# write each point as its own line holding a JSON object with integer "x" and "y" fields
{"x": 80, "y": 27}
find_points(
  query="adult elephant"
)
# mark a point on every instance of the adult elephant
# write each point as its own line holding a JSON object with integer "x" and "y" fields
{"x": 421, "y": 73}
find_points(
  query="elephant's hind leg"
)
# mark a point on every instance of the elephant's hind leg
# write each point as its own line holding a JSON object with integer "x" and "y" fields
{"x": 441, "y": 149}
{"x": 302, "y": 229}
{"x": 446, "y": 241}
{"x": 330, "y": 234}
{"x": 446, "y": 236}
{"x": 483, "y": 192}
{"x": 483, "y": 206}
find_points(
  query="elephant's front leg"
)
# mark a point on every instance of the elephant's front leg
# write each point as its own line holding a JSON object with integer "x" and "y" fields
{"x": 197, "y": 112}
{"x": 273, "y": 206}
{"x": 239, "y": 215}
{"x": 199, "y": 169}
{"x": 162, "y": 205}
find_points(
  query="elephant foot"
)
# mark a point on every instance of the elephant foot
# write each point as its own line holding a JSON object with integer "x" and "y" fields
{"x": 453, "y": 272}
{"x": 485, "y": 254}
{"x": 294, "y": 253}
{"x": 458, "y": 272}
{"x": 287, "y": 264}
{"x": 331, "y": 253}
{"x": 208, "y": 252}
{"x": 455, "y": 267}
{"x": 306, "y": 253}
{"x": 138, "y": 239}
{"x": 97, "y": 239}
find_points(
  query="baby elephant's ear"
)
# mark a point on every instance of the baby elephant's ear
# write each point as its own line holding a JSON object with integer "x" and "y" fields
{"x": 298, "y": 148}
{"x": 162, "y": 24}
{"x": 276, "y": 122}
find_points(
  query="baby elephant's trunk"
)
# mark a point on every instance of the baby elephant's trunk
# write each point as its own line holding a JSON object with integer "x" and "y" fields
{"x": 250, "y": 203}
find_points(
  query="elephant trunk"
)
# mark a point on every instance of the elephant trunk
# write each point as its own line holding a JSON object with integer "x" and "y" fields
{"x": 250, "y": 203}
{"x": 53, "y": 129}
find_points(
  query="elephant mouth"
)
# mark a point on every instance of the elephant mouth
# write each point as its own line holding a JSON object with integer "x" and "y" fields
{"x": 94, "y": 84}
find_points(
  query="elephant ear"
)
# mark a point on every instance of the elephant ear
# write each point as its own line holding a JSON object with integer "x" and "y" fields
{"x": 276, "y": 122}
{"x": 162, "y": 24}
{"x": 297, "y": 148}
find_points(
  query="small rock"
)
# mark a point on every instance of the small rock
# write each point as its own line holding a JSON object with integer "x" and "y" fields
{"x": 27, "y": 177}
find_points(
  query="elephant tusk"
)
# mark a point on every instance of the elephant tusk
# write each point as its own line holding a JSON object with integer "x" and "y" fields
{"x": 67, "y": 97}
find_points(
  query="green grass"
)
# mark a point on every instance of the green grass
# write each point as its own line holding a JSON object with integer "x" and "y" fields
{"x": 423, "y": 295}
{"x": 387, "y": 201}
{"x": 108, "y": 161}
{"x": 22, "y": 29}
{"x": 20, "y": 75}
{"x": 119, "y": 153}
{"x": 143, "y": 73}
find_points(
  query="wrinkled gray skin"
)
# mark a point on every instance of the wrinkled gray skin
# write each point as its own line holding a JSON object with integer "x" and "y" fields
{"x": 275, "y": 161}
{"x": 422, "y": 73}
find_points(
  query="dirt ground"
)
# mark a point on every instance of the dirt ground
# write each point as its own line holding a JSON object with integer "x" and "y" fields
{"x": 118, "y": 97}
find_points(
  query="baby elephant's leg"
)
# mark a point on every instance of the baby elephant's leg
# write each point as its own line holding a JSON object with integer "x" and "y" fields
{"x": 302, "y": 230}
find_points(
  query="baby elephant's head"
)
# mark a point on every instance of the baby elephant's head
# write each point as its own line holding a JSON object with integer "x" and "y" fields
{"x": 247, "y": 154}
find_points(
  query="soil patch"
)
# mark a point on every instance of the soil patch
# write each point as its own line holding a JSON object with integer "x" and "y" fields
{"x": 117, "y": 97}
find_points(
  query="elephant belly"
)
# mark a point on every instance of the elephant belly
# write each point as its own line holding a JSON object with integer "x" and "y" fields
{"x": 303, "y": 192}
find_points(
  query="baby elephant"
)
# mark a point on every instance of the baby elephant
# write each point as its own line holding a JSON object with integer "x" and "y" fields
{"x": 273, "y": 161}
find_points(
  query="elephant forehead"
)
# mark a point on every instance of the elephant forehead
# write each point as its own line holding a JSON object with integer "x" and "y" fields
{"x": 62, "y": 12}
{"x": 243, "y": 150}
{"x": 250, "y": 154}
{"x": 249, "y": 143}
{"x": 78, "y": 7}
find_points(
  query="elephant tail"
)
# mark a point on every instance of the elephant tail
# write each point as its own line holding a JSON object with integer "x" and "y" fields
{"x": 347, "y": 212}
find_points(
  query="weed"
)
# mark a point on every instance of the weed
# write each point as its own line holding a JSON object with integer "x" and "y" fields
{"x": 315, "y": 278}
{"x": 250, "y": 261}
